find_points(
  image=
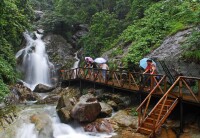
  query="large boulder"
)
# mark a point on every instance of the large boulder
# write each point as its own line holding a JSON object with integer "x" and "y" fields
{"x": 43, "y": 124}
{"x": 99, "y": 125}
{"x": 106, "y": 109}
{"x": 43, "y": 88}
{"x": 87, "y": 109}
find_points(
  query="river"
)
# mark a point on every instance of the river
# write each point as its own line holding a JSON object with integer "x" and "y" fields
{"x": 23, "y": 128}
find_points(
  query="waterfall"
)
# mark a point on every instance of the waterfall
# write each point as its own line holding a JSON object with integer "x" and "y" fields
{"x": 35, "y": 65}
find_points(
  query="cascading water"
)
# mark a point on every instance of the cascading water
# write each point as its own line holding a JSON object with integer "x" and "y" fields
{"x": 35, "y": 65}
{"x": 59, "y": 130}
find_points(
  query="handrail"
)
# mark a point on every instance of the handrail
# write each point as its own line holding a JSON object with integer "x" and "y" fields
{"x": 164, "y": 96}
{"x": 152, "y": 91}
{"x": 132, "y": 80}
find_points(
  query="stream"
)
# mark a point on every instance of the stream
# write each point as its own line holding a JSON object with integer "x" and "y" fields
{"x": 23, "y": 128}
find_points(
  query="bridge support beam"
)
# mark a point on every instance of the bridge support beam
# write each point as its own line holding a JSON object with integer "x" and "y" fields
{"x": 81, "y": 87}
{"x": 181, "y": 115}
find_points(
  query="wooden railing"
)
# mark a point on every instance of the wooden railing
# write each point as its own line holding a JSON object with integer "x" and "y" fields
{"x": 123, "y": 79}
{"x": 144, "y": 106}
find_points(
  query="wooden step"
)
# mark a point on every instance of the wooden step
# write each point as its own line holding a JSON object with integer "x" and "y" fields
{"x": 169, "y": 102}
{"x": 148, "y": 125}
{"x": 158, "y": 111}
{"x": 150, "y": 120}
{"x": 166, "y": 107}
{"x": 145, "y": 131}
{"x": 156, "y": 115}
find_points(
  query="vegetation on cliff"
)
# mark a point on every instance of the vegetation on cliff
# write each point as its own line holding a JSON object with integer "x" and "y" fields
{"x": 14, "y": 19}
{"x": 140, "y": 25}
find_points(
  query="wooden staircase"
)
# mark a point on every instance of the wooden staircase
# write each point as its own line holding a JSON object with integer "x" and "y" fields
{"x": 157, "y": 116}
{"x": 149, "y": 121}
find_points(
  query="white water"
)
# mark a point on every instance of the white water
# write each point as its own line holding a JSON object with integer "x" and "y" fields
{"x": 35, "y": 65}
{"x": 60, "y": 130}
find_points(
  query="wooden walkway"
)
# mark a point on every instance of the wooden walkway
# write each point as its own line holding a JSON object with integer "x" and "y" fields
{"x": 188, "y": 88}
{"x": 184, "y": 88}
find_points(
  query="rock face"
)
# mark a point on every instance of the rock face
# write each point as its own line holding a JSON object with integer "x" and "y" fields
{"x": 170, "y": 51}
{"x": 43, "y": 125}
{"x": 87, "y": 109}
{"x": 43, "y": 88}
{"x": 59, "y": 50}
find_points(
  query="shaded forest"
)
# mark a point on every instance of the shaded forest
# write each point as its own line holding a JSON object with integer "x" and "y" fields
{"x": 140, "y": 25}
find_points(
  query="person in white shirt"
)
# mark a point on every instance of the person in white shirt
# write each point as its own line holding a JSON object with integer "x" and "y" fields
{"x": 104, "y": 68}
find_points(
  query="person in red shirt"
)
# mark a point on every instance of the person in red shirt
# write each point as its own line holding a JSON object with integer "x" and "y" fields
{"x": 151, "y": 68}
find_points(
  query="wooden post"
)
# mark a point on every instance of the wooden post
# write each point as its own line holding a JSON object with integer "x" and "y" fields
{"x": 165, "y": 85}
{"x": 152, "y": 81}
{"x": 129, "y": 79}
{"x": 199, "y": 90}
{"x": 81, "y": 89}
{"x": 181, "y": 114}
{"x": 180, "y": 88}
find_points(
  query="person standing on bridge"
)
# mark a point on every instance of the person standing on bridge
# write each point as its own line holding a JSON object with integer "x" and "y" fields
{"x": 104, "y": 68}
{"x": 150, "y": 69}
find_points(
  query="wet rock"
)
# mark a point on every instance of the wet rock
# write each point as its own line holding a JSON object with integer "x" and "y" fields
{"x": 122, "y": 101}
{"x": 43, "y": 125}
{"x": 60, "y": 51}
{"x": 50, "y": 99}
{"x": 106, "y": 110}
{"x": 66, "y": 103}
{"x": 20, "y": 94}
{"x": 112, "y": 104}
{"x": 123, "y": 119}
{"x": 87, "y": 109}
{"x": 43, "y": 88}
{"x": 100, "y": 125}
{"x": 64, "y": 115}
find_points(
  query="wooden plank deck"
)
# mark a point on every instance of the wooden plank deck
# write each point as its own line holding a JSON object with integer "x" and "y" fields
{"x": 132, "y": 82}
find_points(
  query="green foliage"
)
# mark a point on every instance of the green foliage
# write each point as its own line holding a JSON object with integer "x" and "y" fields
{"x": 42, "y": 4}
{"x": 192, "y": 46}
{"x": 103, "y": 31}
{"x": 134, "y": 112}
{"x": 160, "y": 19}
{"x": 14, "y": 19}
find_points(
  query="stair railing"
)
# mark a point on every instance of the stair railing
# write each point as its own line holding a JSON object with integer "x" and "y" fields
{"x": 142, "y": 115}
{"x": 159, "y": 119}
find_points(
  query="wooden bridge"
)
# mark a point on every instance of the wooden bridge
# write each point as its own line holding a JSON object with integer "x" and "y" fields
{"x": 183, "y": 89}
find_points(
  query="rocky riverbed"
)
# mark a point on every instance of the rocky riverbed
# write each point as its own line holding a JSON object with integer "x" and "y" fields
{"x": 66, "y": 112}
